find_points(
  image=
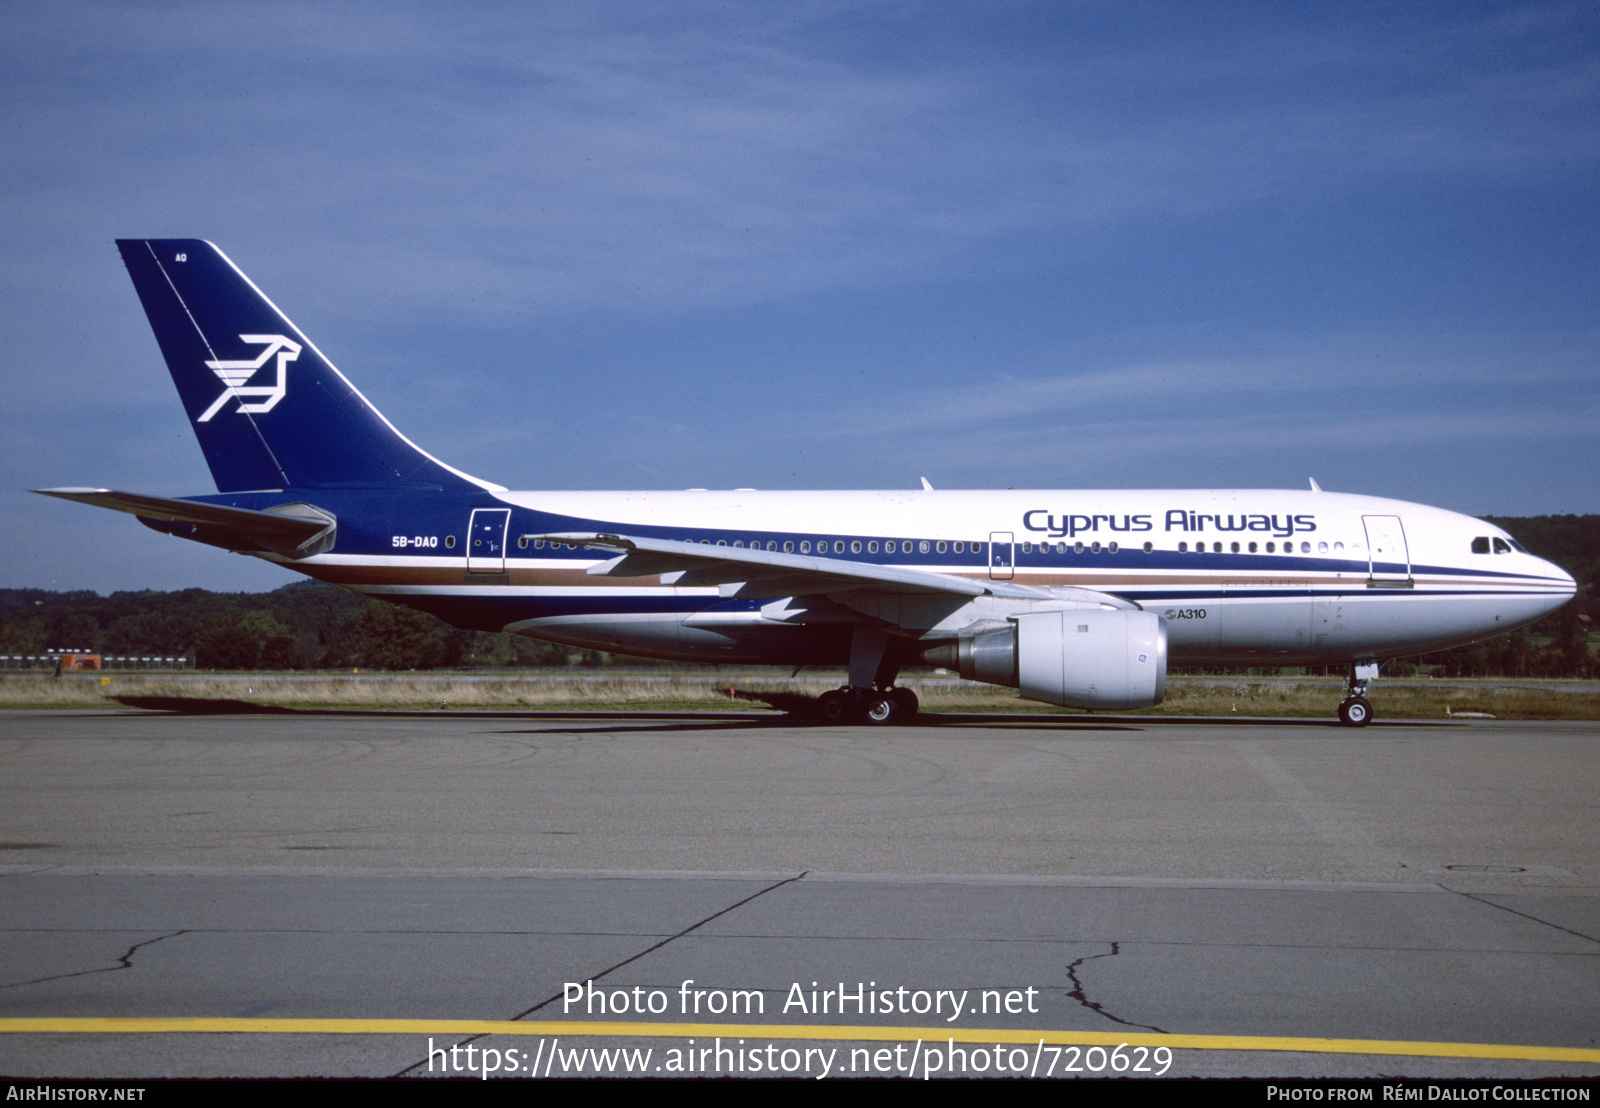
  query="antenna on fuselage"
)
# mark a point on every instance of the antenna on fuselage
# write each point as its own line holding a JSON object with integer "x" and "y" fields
{"x": 925, "y": 486}
{"x": 1314, "y": 486}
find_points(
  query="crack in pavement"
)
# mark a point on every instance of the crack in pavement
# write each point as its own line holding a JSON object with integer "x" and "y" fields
{"x": 124, "y": 961}
{"x": 632, "y": 958}
{"x": 1094, "y": 1006}
{"x": 1524, "y": 915}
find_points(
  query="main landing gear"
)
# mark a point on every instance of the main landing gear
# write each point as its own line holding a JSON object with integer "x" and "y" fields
{"x": 1355, "y": 710}
{"x": 875, "y": 706}
{"x": 870, "y": 696}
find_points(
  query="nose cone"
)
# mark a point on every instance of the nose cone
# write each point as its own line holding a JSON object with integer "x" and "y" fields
{"x": 1540, "y": 588}
{"x": 1560, "y": 577}
{"x": 1562, "y": 587}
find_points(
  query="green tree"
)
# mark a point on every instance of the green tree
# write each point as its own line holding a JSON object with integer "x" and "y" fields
{"x": 403, "y": 638}
{"x": 225, "y": 645}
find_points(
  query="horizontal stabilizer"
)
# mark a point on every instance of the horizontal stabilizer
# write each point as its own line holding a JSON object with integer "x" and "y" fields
{"x": 293, "y": 530}
{"x": 769, "y": 573}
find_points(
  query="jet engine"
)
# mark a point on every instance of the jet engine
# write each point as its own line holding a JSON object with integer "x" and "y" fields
{"x": 1090, "y": 658}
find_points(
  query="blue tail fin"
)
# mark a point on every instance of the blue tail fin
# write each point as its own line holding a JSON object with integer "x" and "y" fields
{"x": 270, "y": 411}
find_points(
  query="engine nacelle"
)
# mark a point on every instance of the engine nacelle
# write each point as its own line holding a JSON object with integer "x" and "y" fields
{"x": 1090, "y": 658}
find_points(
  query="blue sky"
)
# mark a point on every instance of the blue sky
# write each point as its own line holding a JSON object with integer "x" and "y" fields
{"x": 820, "y": 245}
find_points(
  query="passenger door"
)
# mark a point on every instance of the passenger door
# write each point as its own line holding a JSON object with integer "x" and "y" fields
{"x": 486, "y": 540}
{"x": 1389, "y": 559}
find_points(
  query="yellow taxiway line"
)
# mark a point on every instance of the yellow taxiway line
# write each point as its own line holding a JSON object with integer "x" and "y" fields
{"x": 184, "y": 1025}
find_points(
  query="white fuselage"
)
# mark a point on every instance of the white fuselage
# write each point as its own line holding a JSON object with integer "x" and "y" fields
{"x": 1271, "y": 577}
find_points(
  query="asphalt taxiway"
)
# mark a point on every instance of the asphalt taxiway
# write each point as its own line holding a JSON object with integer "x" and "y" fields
{"x": 332, "y": 894}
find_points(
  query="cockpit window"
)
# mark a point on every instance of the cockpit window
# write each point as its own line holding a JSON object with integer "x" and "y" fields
{"x": 1501, "y": 546}
{"x": 1480, "y": 545}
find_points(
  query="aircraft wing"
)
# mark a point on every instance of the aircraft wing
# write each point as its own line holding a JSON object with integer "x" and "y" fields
{"x": 295, "y": 530}
{"x": 750, "y": 572}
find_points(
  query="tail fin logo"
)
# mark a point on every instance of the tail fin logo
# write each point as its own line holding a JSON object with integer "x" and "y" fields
{"x": 235, "y": 375}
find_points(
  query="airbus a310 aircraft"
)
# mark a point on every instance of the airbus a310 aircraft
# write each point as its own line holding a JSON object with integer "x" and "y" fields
{"x": 1079, "y": 599}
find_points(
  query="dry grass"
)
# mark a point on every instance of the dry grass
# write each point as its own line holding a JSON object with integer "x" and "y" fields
{"x": 1306, "y": 697}
{"x": 708, "y": 691}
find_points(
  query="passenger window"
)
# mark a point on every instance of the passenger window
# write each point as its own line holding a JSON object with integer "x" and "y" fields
{"x": 960, "y": 547}
{"x": 1112, "y": 548}
{"x": 1338, "y": 546}
{"x": 1322, "y": 548}
{"x": 1252, "y": 548}
{"x": 1095, "y": 549}
{"x": 855, "y": 546}
{"x": 805, "y": 546}
{"x": 788, "y": 548}
{"x": 1183, "y": 548}
{"x": 939, "y": 547}
{"x": 838, "y": 546}
{"x": 1027, "y": 548}
{"x": 1149, "y": 546}
{"x": 923, "y": 546}
{"x": 738, "y": 542}
{"x": 1305, "y": 548}
{"x": 872, "y": 547}
{"x": 1235, "y": 548}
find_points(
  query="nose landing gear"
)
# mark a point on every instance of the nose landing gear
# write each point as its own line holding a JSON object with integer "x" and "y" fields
{"x": 1355, "y": 710}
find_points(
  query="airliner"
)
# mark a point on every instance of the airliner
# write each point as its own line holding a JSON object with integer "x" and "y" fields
{"x": 1080, "y": 599}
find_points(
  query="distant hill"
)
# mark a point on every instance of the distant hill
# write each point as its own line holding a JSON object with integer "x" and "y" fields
{"x": 304, "y": 625}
